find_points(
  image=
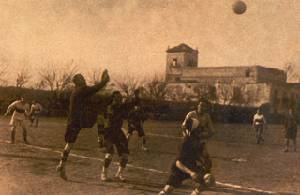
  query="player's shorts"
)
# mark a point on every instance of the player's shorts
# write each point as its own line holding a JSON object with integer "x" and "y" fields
{"x": 118, "y": 139}
{"x": 17, "y": 123}
{"x": 72, "y": 133}
{"x": 136, "y": 127}
{"x": 291, "y": 133}
{"x": 177, "y": 176}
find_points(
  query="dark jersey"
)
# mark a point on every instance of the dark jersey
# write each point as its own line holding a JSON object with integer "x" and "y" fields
{"x": 190, "y": 152}
{"x": 115, "y": 115}
{"x": 77, "y": 105}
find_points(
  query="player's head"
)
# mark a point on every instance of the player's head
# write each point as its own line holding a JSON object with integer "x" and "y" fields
{"x": 137, "y": 92}
{"x": 117, "y": 97}
{"x": 79, "y": 80}
{"x": 202, "y": 106}
{"x": 20, "y": 98}
{"x": 259, "y": 111}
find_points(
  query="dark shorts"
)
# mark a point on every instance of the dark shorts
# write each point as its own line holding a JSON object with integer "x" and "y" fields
{"x": 136, "y": 127}
{"x": 117, "y": 139}
{"x": 291, "y": 133}
{"x": 72, "y": 133}
{"x": 177, "y": 176}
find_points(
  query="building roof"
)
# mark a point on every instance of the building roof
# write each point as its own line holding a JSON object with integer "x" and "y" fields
{"x": 180, "y": 48}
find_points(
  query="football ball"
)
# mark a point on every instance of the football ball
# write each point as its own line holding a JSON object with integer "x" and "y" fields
{"x": 239, "y": 7}
{"x": 209, "y": 180}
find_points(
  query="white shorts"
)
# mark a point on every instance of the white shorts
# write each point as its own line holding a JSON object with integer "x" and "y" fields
{"x": 17, "y": 122}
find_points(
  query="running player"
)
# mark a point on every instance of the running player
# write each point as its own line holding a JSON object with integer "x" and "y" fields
{"x": 190, "y": 164}
{"x": 20, "y": 110}
{"x": 35, "y": 112}
{"x": 200, "y": 119}
{"x": 114, "y": 136}
{"x": 76, "y": 117}
{"x": 136, "y": 118}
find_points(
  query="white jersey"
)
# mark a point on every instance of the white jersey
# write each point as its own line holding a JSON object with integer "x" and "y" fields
{"x": 259, "y": 119}
{"x": 20, "y": 109}
{"x": 36, "y": 108}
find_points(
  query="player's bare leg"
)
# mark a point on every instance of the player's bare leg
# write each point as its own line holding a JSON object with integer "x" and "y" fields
{"x": 166, "y": 190}
{"x": 107, "y": 162}
{"x": 144, "y": 144}
{"x": 25, "y": 136}
{"x": 12, "y": 135}
{"x": 122, "y": 165}
{"x": 287, "y": 141}
{"x": 62, "y": 163}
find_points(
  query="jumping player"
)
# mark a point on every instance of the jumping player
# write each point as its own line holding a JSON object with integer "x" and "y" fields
{"x": 75, "y": 118}
{"x": 35, "y": 112}
{"x": 200, "y": 119}
{"x": 191, "y": 163}
{"x": 114, "y": 136}
{"x": 20, "y": 110}
{"x": 136, "y": 118}
{"x": 259, "y": 123}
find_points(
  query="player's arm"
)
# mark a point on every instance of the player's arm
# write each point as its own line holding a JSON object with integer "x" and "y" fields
{"x": 10, "y": 107}
{"x": 90, "y": 90}
{"x": 184, "y": 123}
{"x": 185, "y": 169}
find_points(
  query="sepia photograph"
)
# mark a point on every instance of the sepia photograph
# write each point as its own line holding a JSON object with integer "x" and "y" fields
{"x": 149, "y": 97}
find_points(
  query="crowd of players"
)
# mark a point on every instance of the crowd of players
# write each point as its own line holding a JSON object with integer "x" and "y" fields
{"x": 193, "y": 160}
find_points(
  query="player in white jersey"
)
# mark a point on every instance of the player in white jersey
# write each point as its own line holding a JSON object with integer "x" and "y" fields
{"x": 20, "y": 110}
{"x": 259, "y": 123}
{"x": 35, "y": 112}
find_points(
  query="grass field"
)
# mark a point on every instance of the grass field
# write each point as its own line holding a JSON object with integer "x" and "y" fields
{"x": 241, "y": 166}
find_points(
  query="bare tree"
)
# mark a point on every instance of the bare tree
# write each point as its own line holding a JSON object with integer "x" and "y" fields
{"x": 57, "y": 79}
{"x": 127, "y": 84}
{"x": 3, "y": 73}
{"x": 291, "y": 72}
{"x": 23, "y": 77}
{"x": 156, "y": 88}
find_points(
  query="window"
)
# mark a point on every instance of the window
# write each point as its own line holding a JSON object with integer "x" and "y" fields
{"x": 174, "y": 63}
{"x": 247, "y": 73}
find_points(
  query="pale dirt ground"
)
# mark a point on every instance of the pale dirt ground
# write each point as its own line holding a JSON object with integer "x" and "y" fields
{"x": 28, "y": 170}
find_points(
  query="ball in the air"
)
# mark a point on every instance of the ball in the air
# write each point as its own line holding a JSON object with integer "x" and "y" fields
{"x": 239, "y": 7}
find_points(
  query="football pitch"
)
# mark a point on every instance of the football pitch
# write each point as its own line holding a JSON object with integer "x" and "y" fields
{"x": 239, "y": 164}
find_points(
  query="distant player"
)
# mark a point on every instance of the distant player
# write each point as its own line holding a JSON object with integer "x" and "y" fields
{"x": 20, "y": 110}
{"x": 259, "y": 123}
{"x": 290, "y": 126}
{"x": 76, "y": 117}
{"x": 35, "y": 112}
{"x": 191, "y": 163}
{"x": 114, "y": 136}
{"x": 136, "y": 118}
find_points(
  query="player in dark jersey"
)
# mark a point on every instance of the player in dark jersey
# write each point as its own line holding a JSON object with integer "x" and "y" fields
{"x": 114, "y": 136}
{"x": 76, "y": 117}
{"x": 290, "y": 126}
{"x": 136, "y": 118}
{"x": 190, "y": 164}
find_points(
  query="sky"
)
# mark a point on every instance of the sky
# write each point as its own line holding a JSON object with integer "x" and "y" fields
{"x": 131, "y": 36}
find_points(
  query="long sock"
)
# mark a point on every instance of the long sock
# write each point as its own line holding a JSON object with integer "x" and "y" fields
{"x": 12, "y": 135}
{"x": 25, "y": 135}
